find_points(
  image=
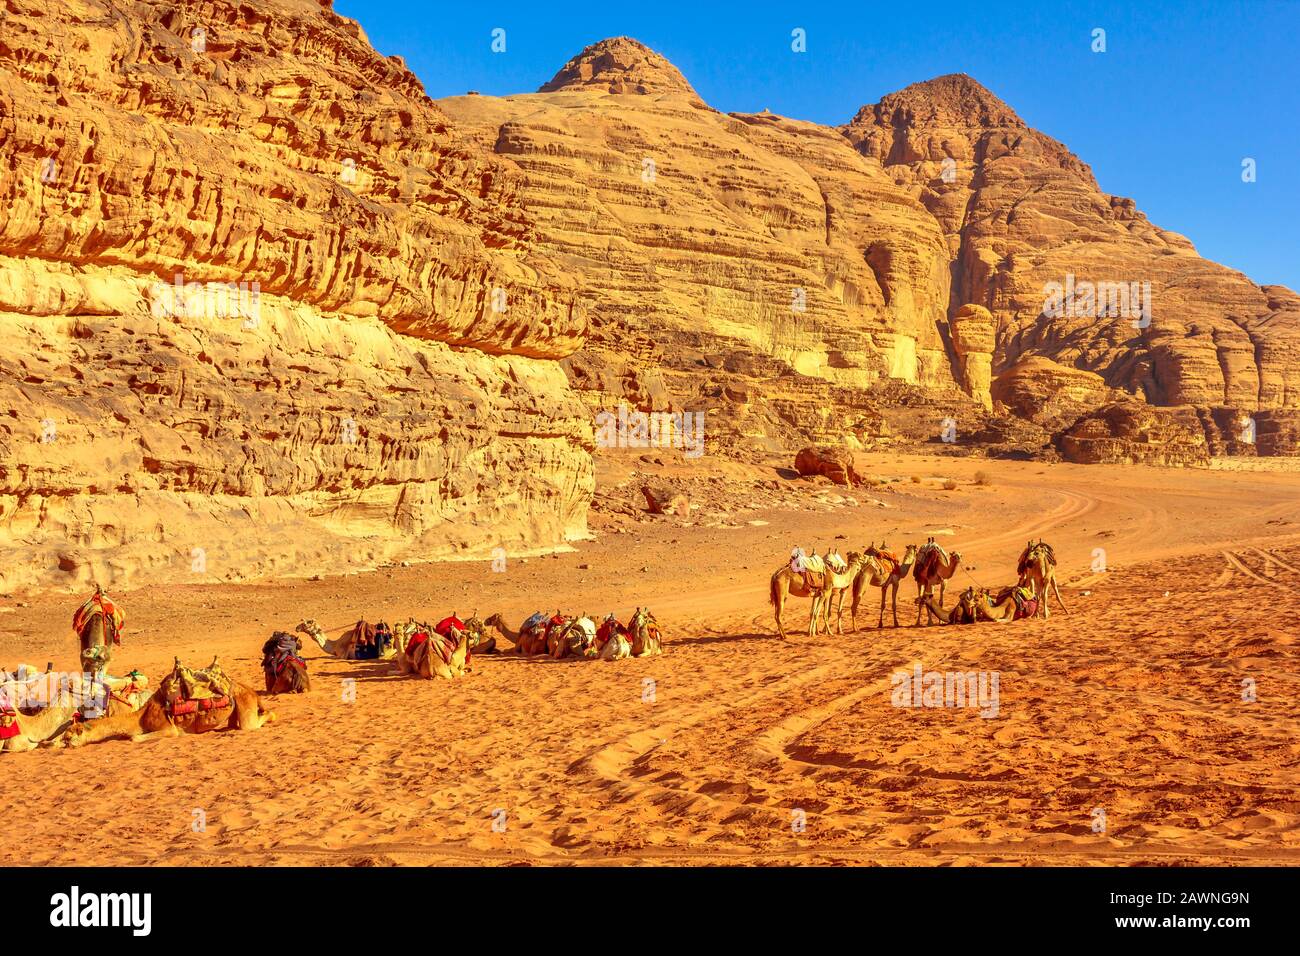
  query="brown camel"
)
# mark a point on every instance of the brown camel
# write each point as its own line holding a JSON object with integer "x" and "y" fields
{"x": 1037, "y": 570}
{"x": 879, "y": 571}
{"x": 531, "y": 636}
{"x": 284, "y": 671}
{"x": 1011, "y": 604}
{"x": 963, "y": 612}
{"x": 933, "y": 566}
{"x": 166, "y": 714}
{"x": 98, "y": 624}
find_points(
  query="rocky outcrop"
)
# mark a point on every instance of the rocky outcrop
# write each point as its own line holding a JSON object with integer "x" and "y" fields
{"x": 973, "y": 329}
{"x": 1042, "y": 391}
{"x": 1135, "y": 434}
{"x": 263, "y": 308}
{"x": 828, "y": 462}
{"x": 1071, "y": 273}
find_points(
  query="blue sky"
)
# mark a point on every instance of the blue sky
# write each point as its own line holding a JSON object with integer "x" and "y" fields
{"x": 1184, "y": 92}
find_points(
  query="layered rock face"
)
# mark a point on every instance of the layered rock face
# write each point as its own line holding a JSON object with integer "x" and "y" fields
{"x": 753, "y": 253}
{"x": 935, "y": 242}
{"x": 262, "y": 307}
{"x": 1071, "y": 273}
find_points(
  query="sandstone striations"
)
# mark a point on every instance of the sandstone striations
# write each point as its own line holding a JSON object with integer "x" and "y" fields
{"x": 814, "y": 271}
{"x": 380, "y": 381}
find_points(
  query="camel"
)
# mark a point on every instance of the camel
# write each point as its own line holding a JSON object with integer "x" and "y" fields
{"x": 98, "y": 624}
{"x": 611, "y": 638}
{"x": 880, "y": 572}
{"x": 787, "y": 582}
{"x": 1037, "y": 570}
{"x": 933, "y": 566}
{"x": 285, "y": 672}
{"x": 531, "y": 636}
{"x": 576, "y": 637}
{"x": 29, "y": 731}
{"x": 646, "y": 638}
{"x": 963, "y": 612}
{"x": 840, "y": 583}
{"x": 1011, "y": 604}
{"x": 340, "y": 647}
{"x": 166, "y": 714}
{"x": 430, "y": 655}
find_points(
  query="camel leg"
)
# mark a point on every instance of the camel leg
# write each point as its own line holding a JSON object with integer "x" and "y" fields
{"x": 942, "y": 584}
{"x": 839, "y": 612}
{"x": 921, "y": 594}
{"x": 894, "y": 596}
{"x": 880, "y": 621}
{"x": 1057, "y": 591}
{"x": 171, "y": 730}
{"x": 777, "y": 606}
{"x": 816, "y": 609}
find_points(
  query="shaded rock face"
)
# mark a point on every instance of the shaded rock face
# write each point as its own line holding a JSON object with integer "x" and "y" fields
{"x": 1033, "y": 239}
{"x": 973, "y": 329}
{"x": 1135, "y": 434}
{"x": 382, "y": 380}
{"x": 1042, "y": 391}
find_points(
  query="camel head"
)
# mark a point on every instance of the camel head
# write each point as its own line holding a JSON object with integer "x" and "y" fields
{"x": 308, "y": 627}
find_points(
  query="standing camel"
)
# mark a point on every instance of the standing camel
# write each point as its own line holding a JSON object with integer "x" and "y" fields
{"x": 841, "y": 582}
{"x": 1037, "y": 570}
{"x": 787, "y": 582}
{"x": 933, "y": 566}
{"x": 98, "y": 624}
{"x": 879, "y": 571}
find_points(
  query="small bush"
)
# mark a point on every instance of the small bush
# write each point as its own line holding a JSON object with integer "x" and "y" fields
{"x": 983, "y": 478}
{"x": 916, "y": 479}
{"x": 950, "y": 485}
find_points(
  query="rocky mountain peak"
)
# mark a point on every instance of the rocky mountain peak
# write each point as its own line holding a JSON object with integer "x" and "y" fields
{"x": 620, "y": 65}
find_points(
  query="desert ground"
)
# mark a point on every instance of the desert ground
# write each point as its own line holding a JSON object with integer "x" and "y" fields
{"x": 1131, "y": 703}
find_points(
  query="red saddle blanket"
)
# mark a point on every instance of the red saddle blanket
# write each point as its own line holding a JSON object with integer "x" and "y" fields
{"x": 179, "y": 708}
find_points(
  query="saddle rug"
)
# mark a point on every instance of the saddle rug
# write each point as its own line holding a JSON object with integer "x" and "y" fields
{"x": 187, "y": 691}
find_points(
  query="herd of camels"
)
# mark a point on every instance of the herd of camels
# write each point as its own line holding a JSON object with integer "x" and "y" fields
{"x": 827, "y": 580}
{"x": 44, "y": 709}
{"x": 195, "y": 701}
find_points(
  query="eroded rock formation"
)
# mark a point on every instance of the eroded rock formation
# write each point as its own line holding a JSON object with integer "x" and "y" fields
{"x": 382, "y": 379}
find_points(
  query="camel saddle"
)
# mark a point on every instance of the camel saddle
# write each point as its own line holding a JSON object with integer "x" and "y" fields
{"x": 885, "y": 557}
{"x": 100, "y": 603}
{"x": 811, "y": 566}
{"x": 188, "y": 691}
{"x": 929, "y": 559}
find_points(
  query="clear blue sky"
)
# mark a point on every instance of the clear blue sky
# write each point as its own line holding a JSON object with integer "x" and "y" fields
{"x": 1184, "y": 91}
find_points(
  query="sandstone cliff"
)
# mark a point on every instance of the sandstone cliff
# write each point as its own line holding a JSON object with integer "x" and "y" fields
{"x": 906, "y": 258}
{"x": 380, "y": 381}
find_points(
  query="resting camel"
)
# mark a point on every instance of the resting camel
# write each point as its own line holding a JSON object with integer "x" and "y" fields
{"x": 930, "y": 569}
{"x": 1037, "y": 570}
{"x": 340, "y": 647}
{"x": 433, "y": 656}
{"x": 531, "y": 636}
{"x": 611, "y": 638}
{"x": 1011, "y": 604}
{"x": 644, "y": 634}
{"x": 284, "y": 671}
{"x": 34, "y": 730}
{"x": 242, "y": 710}
{"x": 963, "y": 612}
{"x": 880, "y": 572}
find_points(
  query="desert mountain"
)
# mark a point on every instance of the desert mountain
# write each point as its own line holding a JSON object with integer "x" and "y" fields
{"x": 803, "y": 281}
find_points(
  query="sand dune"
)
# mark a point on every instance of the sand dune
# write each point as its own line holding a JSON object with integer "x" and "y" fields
{"x": 1131, "y": 703}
